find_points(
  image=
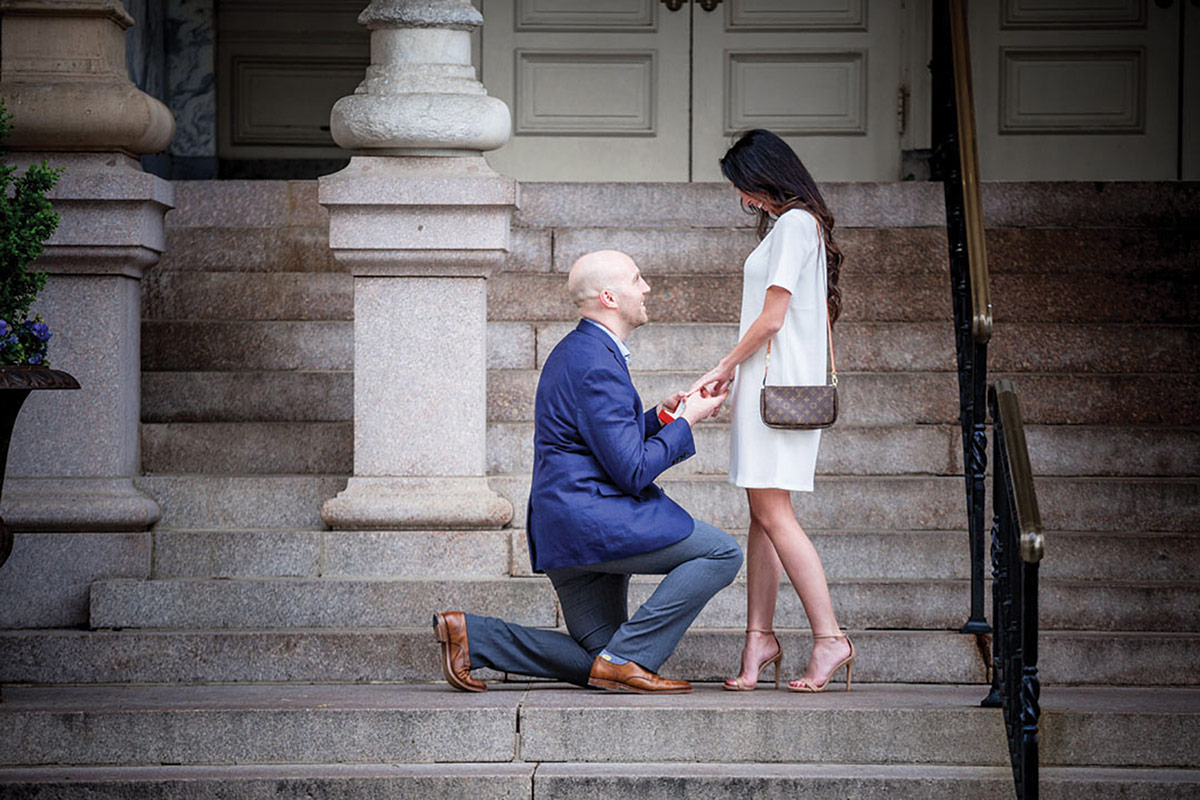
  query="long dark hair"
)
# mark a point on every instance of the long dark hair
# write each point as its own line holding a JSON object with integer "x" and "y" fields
{"x": 763, "y": 166}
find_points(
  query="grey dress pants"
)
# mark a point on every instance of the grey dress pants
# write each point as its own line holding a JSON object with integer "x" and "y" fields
{"x": 594, "y": 606}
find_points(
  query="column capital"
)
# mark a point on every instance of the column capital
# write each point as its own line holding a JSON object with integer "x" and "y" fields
{"x": 420, "y": 95}
{"x": 64, "y": 79}
{"x": 419, "y": 216}
{"x": 449, "y": 14}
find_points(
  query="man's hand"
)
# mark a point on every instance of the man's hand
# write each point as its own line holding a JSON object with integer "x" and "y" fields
{"x": 671, "y": 403}
{"x": 703, "y": 404}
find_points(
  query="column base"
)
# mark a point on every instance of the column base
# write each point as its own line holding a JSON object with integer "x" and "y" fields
{"x": 391, "y": 503}
{"x": 77, "y": 504}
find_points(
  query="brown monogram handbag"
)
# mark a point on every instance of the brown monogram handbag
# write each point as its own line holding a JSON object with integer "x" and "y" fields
{"x": 800, "y": 408}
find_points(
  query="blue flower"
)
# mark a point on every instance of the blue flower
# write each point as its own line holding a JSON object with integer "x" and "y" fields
{"x": 36, "y": 358}
{"x": 39, "y": 329}
{"x": 3, "y": 328}
{"x": 11, "y": 339}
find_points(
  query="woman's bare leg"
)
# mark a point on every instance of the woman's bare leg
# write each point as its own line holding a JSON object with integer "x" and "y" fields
{"x": 763, "y": 571}
{"x": 772, "y": 510}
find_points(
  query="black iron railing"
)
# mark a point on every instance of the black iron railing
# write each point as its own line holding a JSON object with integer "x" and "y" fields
{"x": 1017, "y": 547}
{"x": 955, "y": 164}
{"x": 1016, "y": 529}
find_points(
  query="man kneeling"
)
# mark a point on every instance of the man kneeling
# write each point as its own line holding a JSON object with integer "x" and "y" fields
{"x": 595, "y": 515}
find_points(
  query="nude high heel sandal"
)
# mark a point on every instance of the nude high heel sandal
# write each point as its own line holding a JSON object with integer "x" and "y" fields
{"x": 806, "y": 685}
{"x": 736, "y": 685}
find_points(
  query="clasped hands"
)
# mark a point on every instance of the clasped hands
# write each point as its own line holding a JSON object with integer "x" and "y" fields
{"x": 704, "y": 398}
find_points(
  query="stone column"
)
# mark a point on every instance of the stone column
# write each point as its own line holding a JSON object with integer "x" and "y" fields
{"x": 420, "y": 219}
{"x": 63, "y": 76}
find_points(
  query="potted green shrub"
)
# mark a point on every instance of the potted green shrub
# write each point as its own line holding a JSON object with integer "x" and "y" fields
{"x": 27, "y": 220}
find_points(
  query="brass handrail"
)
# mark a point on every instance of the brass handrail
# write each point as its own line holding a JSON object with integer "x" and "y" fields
{"x": 981, "y": 297}
{"x": 1029, "y": 519}
{"x": 1016, "y": 561}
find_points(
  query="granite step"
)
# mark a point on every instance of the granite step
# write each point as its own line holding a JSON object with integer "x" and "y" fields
{"x": 205, "y": 345}
{"x": 939, "y": 727}
{"x": 895, "y": 604}
{"x": 296, "y": 448}
{"x": 408, "y": 655}
{"x": 282, "y": 448}
{"x": 174, "y": 295}
{"x": 1054, "y": 450}
{"x": 874, "y": 250}
{"x": 889, "y": 603}
{"x": 230, "y": 254}
{"x": 866, "y": 398}
{"x": 386, "y": 781}
{"x": 876, "y": 398}
{"x": 237, "y": 248}
{"x": 586, "y": 781}
{"x": 845, "y": 554}
{"x": 313, "y": 603}
{"x": 248, "y": 396}
{"x": 876, "y": 724}
{"x": 1051, "y": 204}
{"x": 837, "y": 782}
{"x": 931, "y": 503}
{"x": 865, "y": 503}
{"x": 198, "y": 344}
{"x": 944, "y": 555}
{"x": 889, "y": 346}
{"x": 272, "y": 204}
{"x": 241, "y": 501}
{"x": 246, "y": 204}
{"x": 285, "y": 553}
{"x": 1071, "y": 297}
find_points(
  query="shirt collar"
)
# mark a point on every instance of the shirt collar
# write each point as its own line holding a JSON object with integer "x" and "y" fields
{"x": 620, "y": 345}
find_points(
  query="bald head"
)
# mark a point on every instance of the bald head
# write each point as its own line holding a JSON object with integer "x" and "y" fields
{"x": 594, "y": 272}
{"x": 608, "y": 288}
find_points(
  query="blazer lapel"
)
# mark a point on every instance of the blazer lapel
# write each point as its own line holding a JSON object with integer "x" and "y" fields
{"x": 588, "y": 329}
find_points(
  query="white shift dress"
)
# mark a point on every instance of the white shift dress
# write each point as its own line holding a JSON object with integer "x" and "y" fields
{"x": 791, "y": 255}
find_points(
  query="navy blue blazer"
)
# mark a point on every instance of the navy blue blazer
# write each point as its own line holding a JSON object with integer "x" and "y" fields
{"x": 596, "y": 455}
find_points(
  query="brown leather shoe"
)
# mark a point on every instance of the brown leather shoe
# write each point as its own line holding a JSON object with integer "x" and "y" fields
{"x": 450, "y": 627}
{"x": 632, "y": 678}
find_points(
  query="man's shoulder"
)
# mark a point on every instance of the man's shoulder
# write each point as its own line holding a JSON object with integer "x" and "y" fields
{"x": 577, "y": 350}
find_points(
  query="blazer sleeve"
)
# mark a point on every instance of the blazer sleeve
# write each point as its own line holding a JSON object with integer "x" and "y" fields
{"x": 607, "y": 417}
{"x": 651, "y": 421}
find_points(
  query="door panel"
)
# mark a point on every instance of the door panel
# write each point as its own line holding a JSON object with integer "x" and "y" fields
{"x": 824, "y": 74}
{"x": 278, "y": 78}
{"x": 1190, "y": 155}
{"x": 598, "y": 91}
{"x": 1076, "y": 89}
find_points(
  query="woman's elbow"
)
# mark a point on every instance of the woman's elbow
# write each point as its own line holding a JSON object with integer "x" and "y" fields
{"x": 771, "y": 326}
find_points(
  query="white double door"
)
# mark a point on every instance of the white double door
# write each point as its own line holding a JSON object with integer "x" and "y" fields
{"x": 620, "y": 90}
{"x": 1086, "y": 89}
{"x": 631, "y": 90}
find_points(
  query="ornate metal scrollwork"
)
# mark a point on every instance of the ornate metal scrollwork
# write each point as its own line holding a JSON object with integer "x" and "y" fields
{"x": 1015, "y": 686}
{"x": 16, "y": 382}
{"x": 35, "y": 378}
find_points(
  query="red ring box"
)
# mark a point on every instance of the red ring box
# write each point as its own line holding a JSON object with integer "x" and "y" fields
{"x": 667, "y": 417}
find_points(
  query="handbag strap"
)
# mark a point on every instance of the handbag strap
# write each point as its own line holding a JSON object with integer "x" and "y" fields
{"x": 832, "y": 363}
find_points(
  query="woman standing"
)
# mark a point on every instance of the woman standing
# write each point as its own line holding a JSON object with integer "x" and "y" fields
{"x": 790, "y": 294}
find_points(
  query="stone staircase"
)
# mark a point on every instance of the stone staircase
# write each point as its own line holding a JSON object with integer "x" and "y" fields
{"x": 247, "y": 408}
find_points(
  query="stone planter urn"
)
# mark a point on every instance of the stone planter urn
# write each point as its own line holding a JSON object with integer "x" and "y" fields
{"x": 16, "y": 382}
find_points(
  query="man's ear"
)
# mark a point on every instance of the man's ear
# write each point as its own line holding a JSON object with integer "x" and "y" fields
{"x": 607, "y": 299}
